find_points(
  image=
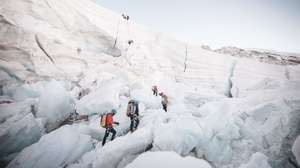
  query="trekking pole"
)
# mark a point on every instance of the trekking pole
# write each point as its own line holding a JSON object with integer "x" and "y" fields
{"x": 117, "y": 33}
{"x": 185, "y": 59}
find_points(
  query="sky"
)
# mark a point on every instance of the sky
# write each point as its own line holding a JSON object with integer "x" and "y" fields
{"x": 264, "y": 24}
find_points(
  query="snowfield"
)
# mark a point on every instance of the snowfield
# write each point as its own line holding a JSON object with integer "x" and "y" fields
{"x": 58, "y": 57}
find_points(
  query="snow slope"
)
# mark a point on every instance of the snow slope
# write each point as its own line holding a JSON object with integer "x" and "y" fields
{"x": 222, "y": 109}
{"x": 267, "y": 56}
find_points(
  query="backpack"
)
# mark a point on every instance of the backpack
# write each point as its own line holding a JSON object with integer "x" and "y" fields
{"x": 103, "y": 121}
{"x": 133, "y": 108}
{"x": 129, "y": 110}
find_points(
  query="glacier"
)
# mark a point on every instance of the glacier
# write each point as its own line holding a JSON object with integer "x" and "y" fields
{"x": 60, "y": 57}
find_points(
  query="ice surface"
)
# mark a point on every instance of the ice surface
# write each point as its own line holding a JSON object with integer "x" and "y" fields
{"x": 166, "y": 159}
{"x": 56, "y": 149}
{"x": 55, "y": 105}
{"x": 115, "y": 151}
{"x": 180, "y": 134}
{"x": 257, "y": 160}
{"x": 19, "y": 128}
{"x": 100, "y": 100}
{"x": 18, "y": 132}
{"x": 70, "y": 49}
{"x": 296, "y": 149}
{"x": 8, "y": 110}
{"x": 22, "y": 92}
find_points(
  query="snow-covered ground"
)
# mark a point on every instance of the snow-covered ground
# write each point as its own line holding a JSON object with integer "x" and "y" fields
{"x": 224, "y": 111}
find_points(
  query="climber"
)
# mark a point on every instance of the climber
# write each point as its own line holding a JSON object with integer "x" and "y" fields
{"x": 133, "y": 113}
{"x": 123, "y": 15}
{"x": 155, "y": 90}
{"x": 130, "y": 42}
{"x": 1, "y": 90}
{"x": 78, "y": 50}
{"x": 126, "y": 17}
{"x": 107, "y": 121}
{"x": 164, "y": 101}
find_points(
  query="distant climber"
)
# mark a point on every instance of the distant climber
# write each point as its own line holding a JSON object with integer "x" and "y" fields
{"x": 130, "y": 42}
{"x": 75, "y": 113}
{"x": 79, "y": 95}
{"x": 133, "y": 113}
{"x": 1, "y": 90}
{"x": 164, "y": 101}
{"x": 126, "y": 17}
{"x": 123, "y": 15}
{"x": 107, "y": 122}
{"x": 78, "y": 50}
{"x": 83, "y": 92}
{"x": 154, "y": 90}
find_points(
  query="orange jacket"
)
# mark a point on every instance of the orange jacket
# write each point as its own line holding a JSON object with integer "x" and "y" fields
{"x": 109, "y": 120}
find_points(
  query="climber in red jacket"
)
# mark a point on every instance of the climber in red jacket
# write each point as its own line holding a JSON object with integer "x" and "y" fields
{"x": 109, "y": 126}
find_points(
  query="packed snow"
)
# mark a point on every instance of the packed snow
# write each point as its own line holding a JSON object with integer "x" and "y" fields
{"x": 61, "y": 58}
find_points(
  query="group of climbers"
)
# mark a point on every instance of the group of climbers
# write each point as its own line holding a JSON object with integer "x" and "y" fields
{"x": 132, "y": 112}
{"x": 107, "y": 120}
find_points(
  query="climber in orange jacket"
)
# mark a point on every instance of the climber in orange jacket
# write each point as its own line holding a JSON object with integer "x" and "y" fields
{"x": 109, "y": 126}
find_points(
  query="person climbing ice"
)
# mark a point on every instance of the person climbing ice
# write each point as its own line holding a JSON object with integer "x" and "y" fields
{"x": 107, "y": 122}
{"x": 133, "y": 114}
{"x": 154, "y": 90}
{"x": 164, "y": 101}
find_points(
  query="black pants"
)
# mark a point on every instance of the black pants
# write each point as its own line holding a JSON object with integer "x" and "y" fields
{"x": 165, "y": 107}
{"x": 155, "y": 92}
{"x": 107, "y": 131}
{"x": 134, "y": 123}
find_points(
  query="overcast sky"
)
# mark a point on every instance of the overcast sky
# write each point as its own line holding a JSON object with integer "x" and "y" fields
{"x": 268, "y": 24}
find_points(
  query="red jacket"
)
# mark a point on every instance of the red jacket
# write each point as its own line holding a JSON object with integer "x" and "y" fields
{"x": 109, "y": 120}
